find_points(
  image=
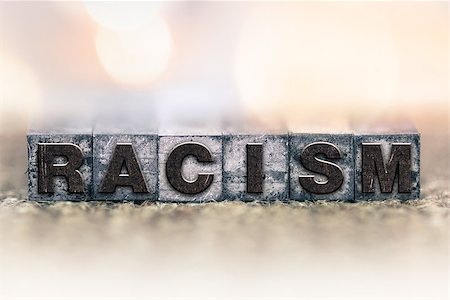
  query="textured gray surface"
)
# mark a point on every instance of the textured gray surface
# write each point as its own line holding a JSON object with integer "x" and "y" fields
{"x": 275, "y": 167}
{"x": 281, "y": 165}
{"x": 84, "y": 141}
{"x": 386, "y": 141}
{"x": 146, "y": 150}
{"x": 298, "y": 142}
{"x": 191, "y": 168}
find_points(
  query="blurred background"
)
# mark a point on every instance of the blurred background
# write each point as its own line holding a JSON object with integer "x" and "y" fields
{"x": 284, "y": 61}
{"x": 332, "y": 62}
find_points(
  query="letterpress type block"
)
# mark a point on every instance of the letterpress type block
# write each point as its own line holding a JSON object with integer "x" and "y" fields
{"x": 387, "y": 165}
{"x": 125, "y": 163}
{"x": 60, "y": 164}
{"x": 321, "y": 166}
{"x": 190, "y": 165}
{"x": 255, "y": 166}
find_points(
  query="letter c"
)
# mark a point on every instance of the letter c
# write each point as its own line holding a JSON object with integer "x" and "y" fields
{"x": 174, "y": 165}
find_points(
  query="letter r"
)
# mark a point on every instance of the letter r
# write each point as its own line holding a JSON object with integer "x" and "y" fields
{"x": 48, "y": 169}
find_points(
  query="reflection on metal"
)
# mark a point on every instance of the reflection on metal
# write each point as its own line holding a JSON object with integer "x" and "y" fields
{"x": 311, "y": 162}
{"x": 254, "y": 168}
{"x": 48, "y": 169}
{"x": 123, "y": 170}
{"x": 174, "y": 165}
{"x": 374, "y": 167}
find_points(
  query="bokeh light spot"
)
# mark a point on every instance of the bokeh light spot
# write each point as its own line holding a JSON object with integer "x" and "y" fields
{"x": 138, "y": 57}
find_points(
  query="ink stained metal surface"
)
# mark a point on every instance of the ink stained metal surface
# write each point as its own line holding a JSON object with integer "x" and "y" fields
{"x": 215, "y": 167}
{"x": 321, "y": 166}
{"x": 174, "y": 168}
{"x": 255, "y": 167}
{"x": 255, "y": 174}
{"x": 78, "y": 142}
{"x": 48, "y": 153}
{"x": 399, "y": 170}
{"x": 133, "y": 174}
{"x": 191, "y": 168}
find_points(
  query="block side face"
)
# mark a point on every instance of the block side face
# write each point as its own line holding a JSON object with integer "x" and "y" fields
{"x": 145, "y": 148}
{"x": 191, "y": 168}
{"x": 386, "y": 142}
{"x": 297, "y": 144}
{"x": 84, "y": 141}
{"x": 275, "y": 167}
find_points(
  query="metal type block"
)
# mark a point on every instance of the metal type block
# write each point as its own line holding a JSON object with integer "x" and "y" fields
{"x": 321, "y": 166}
{"x": 125, "y": 164}
{"x": 387, "y": 165}
{"x": 190, "y": 165}
{"x": 255, "y": 167}
{"x": 60, "y": 164}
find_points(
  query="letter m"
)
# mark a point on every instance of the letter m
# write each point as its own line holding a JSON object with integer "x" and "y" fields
{"x": 374, "y": 167}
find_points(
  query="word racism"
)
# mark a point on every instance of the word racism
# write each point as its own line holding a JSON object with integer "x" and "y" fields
{"x": 190, "y": 168}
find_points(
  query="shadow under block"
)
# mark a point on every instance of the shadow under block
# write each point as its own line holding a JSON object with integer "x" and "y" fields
{"x": 340, "y": 147}
{"x": 144, "y": 155}
{"x": 191, "y": 167}
{"x": 275, "y": 166}
{"x": 83, "y": 142}
{"x": 386, "y": 142}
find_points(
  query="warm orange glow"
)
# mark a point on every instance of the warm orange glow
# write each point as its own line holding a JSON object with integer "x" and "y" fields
{"x": 19, "y": 89}
{"x": 137, "y": 57}
{"x": 133, "y": 41}
{"x": 315, "y": 61}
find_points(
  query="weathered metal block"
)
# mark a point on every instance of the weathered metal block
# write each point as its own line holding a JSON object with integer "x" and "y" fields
{"x": 125, "y": 164}
{"x": 60, "y": 165}
{"x": 255, "y": 167}
{"x": 199, "y": 164}
{"x": 321, "y": 166}
{"x": 190, "y": 166}
{"x": 387, "y": 166}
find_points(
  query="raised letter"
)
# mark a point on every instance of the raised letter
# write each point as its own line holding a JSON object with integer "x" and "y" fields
{"x": 312, "y": 163}
{"x": 47, "y": 169}
{"x": 254, "y": 168}
{"x": 175, "y": 162}
{"x": 373, "y": 167}
{"x": 123, "y": 159}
